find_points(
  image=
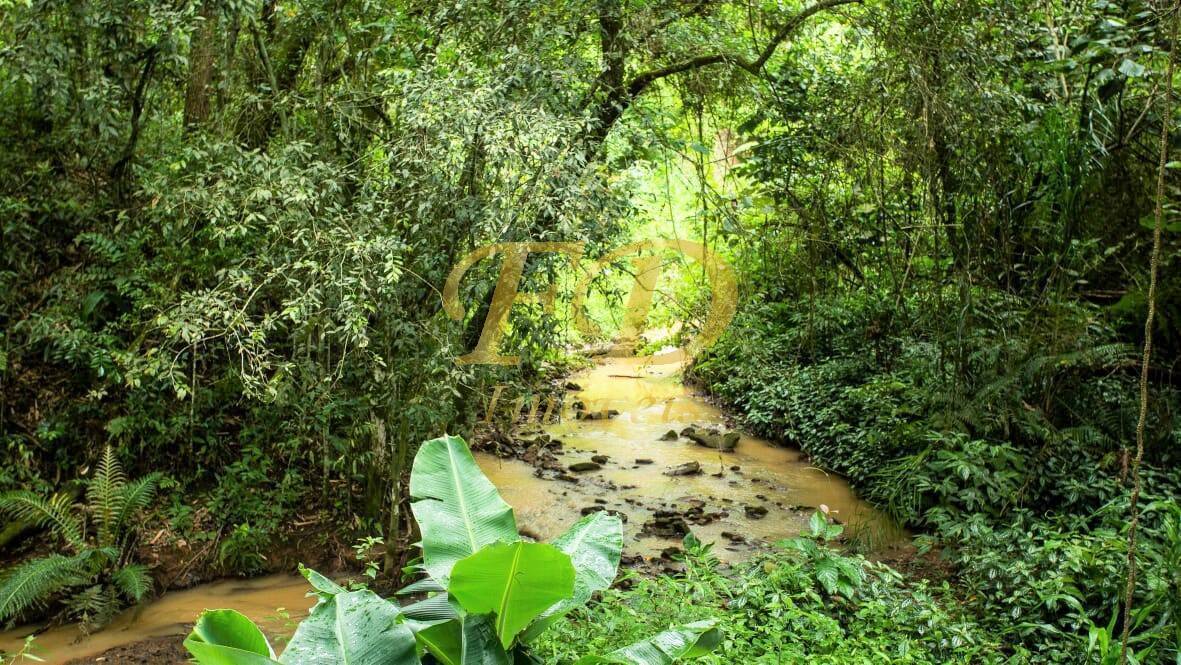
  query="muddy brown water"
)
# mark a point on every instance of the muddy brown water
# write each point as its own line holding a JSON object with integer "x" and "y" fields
{"x": 651, "y": 400}
{"x": 275, "y": 602}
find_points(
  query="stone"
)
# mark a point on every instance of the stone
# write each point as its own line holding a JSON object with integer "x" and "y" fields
{"x": 580, "y": 467}
{"x": 686, "y": 469}
{"x": 670, "y": 435}
{"x": 712, "y": 438}
{"x": 600, "y": 509}
{"x": 643, "y": 460}
{"x": 599, "y": 459}
{"x": 665, "y": 524}
{"x": 597, "y": 415}
{"x": 755, "y": 512}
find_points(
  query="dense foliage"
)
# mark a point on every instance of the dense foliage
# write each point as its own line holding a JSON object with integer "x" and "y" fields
{"x": 225, "y": 226}
{"x": 491, "y": 592}
{"x": 946, "y": 300}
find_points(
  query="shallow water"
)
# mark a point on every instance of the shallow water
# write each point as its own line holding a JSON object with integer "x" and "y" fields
{"x": 652, "y": 400}
{"x": 275, "y": 602}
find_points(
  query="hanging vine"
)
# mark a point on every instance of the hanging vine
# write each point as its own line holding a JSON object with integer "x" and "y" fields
{"x": 1154, "y": 266}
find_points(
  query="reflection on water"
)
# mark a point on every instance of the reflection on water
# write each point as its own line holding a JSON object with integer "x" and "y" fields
{"x": 652, "y": 400}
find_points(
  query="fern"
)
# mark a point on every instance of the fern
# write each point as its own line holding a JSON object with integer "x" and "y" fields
{"x": 32, "y": 583}
{"x": 112, "y": 503}
{"x": 94, "y": 606}
{"x": 133, "y": 581}
{"x": 137, "y": 495}
{"x": 106, "y": 497}
{"x": 54, "y": 514}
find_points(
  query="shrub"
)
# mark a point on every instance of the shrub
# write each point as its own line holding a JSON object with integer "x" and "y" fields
{"x": 97, "y": 573}
{"x": 493, "y": 593}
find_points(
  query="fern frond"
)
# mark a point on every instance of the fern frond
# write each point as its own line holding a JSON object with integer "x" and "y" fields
{"x": 105, "y": 495}
{"x": 56, "y": 513}
{"x": 34, "y": 583}
{"x": 133, "y": 581}
{"x": 137, "y": 495}
{"x": 1087, "y": 435}
{"x": 93, "y": 607}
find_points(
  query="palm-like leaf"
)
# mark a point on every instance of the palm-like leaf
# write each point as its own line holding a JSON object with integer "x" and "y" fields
{"x": 514, "y": 581}
{"x": 688, "y": 641}
{"x": 56, "y": 513}
{"x": 133, "y": 581}
{"x": 458, "y": 509}
{"x": 354, "y": 628}
{"x": 439, "y": 607}
{"x": 467, "y": 640}
{"x": 32, "y": 583}
{"x": 227, "y": 637}
{"x": 105, "y": 496}
{"x": 594, "y": 545}
{"x": 137, "y": 496}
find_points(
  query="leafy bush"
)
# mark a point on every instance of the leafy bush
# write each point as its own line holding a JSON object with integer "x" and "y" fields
{"x": 775, "y": 609}
{"x": 1011, "y": 468}
{"x": 97, "y": 572}
{"x": 493, "y": 593}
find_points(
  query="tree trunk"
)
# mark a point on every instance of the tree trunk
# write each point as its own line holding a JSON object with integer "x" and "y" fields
{"x": 200, "y": 82}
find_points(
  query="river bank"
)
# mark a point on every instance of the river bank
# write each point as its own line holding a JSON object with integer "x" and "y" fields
{"x": 630, "y": 450}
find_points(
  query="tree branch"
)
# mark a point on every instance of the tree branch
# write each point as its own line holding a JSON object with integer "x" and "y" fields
{"x": 645, "y": 79}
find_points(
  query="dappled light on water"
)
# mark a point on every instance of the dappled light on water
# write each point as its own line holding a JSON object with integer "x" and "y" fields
{"x": 651, "y": 401}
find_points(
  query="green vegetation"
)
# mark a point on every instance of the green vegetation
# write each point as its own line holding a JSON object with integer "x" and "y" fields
{"x": 226, "y": 227}
{"x": 97, "y": 572}
{"x": 492, "y": 593}
{"x": 779, "y": 608}
{"x": 1032, "y": 513}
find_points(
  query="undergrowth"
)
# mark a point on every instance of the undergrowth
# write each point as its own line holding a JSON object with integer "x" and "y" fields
{"x": 1002, "y": 446}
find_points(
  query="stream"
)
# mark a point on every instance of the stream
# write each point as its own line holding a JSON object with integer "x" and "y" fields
{"x": 651, "y": 400}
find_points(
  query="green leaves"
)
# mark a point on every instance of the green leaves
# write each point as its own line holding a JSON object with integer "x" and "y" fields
{"x": 687, "y": 641}
{"x": 469, "y": 640}
{"x": 514, "y": 581}
{"x": 98, "y": 560}
{"x": 488, "y": 587}
{"x": 352, "y": 628}
{"x": 30, "y": 583}
{"x": 822, "y": 529}
{"x": 56, "y": 513}
{"x": 228, "y": 637}
{"x": 349, "y": 628}
{"x": 458, "y": 510}
{"x": 594, "y": 545}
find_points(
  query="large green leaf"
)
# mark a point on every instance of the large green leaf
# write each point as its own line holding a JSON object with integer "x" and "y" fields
{"x": 352, "y": 628}
{"x": 467, "y": 640}
{"x": 324, "y": 587}
{"x": 688, "y": 641}
{"x": 594, "y": 545}
{"x": 439, "y": 607}
{"x": 228, "y": 637}
{"x": 458, "y": 509}
{"x": 515, "y": 581}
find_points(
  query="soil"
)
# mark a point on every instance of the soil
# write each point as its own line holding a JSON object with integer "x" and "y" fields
{"x": 157, "y": 651}
{"x": 315, "y": 541}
